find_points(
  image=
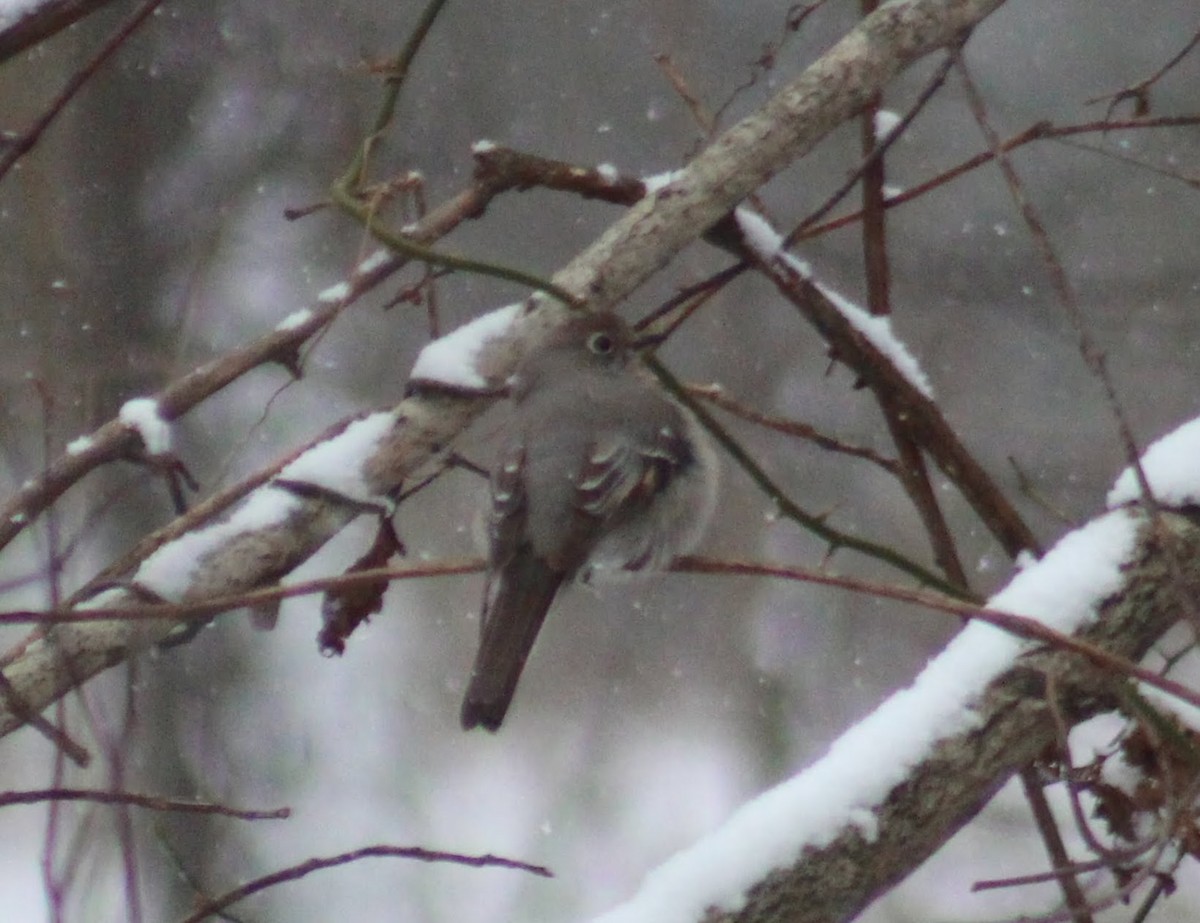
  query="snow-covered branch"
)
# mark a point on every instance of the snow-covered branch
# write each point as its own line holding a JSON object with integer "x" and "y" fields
{"x": 895, "y": 787}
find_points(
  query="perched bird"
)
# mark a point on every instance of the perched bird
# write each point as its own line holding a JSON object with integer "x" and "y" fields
{"x": 599, "y": 470}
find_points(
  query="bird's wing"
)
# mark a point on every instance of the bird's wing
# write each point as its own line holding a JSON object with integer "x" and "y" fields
{"x": 622, "y": 476}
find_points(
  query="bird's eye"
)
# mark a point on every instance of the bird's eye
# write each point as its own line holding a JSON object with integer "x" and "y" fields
{"x": 601, "y": 344}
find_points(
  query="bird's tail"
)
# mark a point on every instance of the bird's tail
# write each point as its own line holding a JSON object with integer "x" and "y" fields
{"x": 516, "y": 606}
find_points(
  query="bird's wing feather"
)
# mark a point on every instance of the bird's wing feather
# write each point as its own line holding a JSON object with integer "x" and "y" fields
{"x": 621, "y": 477}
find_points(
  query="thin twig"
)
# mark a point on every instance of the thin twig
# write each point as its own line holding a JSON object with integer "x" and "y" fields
{"x": 718, "y": 398}
{"x": 1063, "y": 871}
{"x": 296, "y": 872}
{"x": 881, "y": 148}
{"x": 1040, "y": 131}
{"x": 1019, "y": 625}
{"x": 1140, "y": 91}
{"x": 20, "y": 146}
{"x": 1093, "y": 357}
{"x": 152, "y": 802}
{"x": 788, "y": 508}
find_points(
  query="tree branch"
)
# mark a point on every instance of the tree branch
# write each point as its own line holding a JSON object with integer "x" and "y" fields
{"x": 844, "y": 862}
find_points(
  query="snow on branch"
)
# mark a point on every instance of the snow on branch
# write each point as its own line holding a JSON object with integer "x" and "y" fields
{"x": 767, "y": 245}
{"x": 892, "y": 789}
{"x": 461, "y": 359}
{"x": 1170, "y": 468}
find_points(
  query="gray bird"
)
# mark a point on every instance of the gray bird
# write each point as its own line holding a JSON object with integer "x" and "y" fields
{"x": 600, "y": 470}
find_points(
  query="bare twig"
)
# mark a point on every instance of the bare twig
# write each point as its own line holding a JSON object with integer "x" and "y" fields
{"x": 1140, "y": 91}
{"x": 1040, "y": 131}
{"x": 1064, "y": 873}
{"x": 1093, "y": 357}
{"x": 21, "y": 145}
{"x": 152, "y": 802}
{"x": 1018, "y": 625}
{"x": 718, "y": 398}
{"x": 788, "y": 508}
{"x": 296, "y": 872}
{"x": 875, "y": 154}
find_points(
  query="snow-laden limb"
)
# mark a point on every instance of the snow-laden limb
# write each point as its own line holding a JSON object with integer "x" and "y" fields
{"x": 896, "y": 786}
{"x": 830, "y": 91}
{"x": 882, "y": 363}
{"x": 767, "y": 244}
{"x": 277, "y": 528}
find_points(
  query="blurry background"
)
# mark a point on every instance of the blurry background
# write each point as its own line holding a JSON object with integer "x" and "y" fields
{"x": 145, "y": 235}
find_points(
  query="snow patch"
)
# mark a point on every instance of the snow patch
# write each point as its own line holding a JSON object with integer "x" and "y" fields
{"x": 294, "y": 320}
{"x": 336, "y": 465}
{"x": 767, "y": 244}
{"x": 656, "y": 182}
{"x": 170, "y": 571}
{"x": 334, "y": 293}
{"x": 885, "y": 122}
{"x": 144, "y": 415}
{"x": 372, "y": 262}
{"x": 1170, "y": 464}
{"x": 452, "y": 359}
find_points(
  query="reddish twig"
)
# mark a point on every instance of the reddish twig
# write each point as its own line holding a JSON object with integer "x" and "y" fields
{"x": 765, "y": 63}
{"x": 1018, "y": 625}
{"x": 152, "y": 802}
{"x": 1140, "y": 91}
{"x": 1041, "y": 131}
{"x": 877, "y": 152}
{"x": 296, "y": 872}
{"x": 717, "y": 397}
{"x": 701, "y": 114}
{"x": 1062, "y": 869}
{"x": 21, "y": 145}
{"x": 184, "y": 612}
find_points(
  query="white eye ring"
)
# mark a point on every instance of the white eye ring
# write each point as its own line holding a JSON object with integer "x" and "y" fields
{"x": 601, "y": 344}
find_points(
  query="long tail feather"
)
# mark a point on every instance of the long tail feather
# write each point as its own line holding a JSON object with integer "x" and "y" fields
{"x": 515, "y": 610}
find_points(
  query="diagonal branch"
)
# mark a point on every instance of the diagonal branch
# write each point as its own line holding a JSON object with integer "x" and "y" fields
{"x": 822, "y": 846}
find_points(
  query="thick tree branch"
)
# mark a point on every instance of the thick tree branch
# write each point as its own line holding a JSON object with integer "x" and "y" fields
{"x": 1012, "y": 724}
